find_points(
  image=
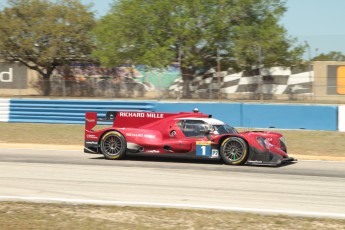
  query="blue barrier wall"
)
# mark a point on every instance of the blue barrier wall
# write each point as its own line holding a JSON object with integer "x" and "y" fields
{"x": 280, "y": 116}
{"x": 68, "y": 111}
{"x": 313, "y": 117}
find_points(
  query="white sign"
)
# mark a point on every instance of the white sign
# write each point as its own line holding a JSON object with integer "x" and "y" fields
{"x": 6, "y": 76}
{"x": 341, "y": 118}
{"x": 13, "y": 75}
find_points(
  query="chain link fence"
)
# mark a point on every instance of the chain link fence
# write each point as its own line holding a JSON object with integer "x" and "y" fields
{"x": 275, "y": 84}
{"x": 257, "y": 88}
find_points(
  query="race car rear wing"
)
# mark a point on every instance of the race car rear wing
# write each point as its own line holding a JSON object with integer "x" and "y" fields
{"x": 91, "y": 119}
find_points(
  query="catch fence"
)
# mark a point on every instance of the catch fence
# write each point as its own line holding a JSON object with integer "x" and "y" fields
{"x": 274, "y": 84}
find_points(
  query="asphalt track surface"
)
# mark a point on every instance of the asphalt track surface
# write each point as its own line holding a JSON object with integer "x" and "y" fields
{"x": 307, "y": 188}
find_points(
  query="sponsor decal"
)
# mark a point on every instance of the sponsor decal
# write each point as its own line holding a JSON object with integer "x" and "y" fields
{"x": 129, "y": 114}
{"x": 91, "y": 136}
{"x": 215, "y": 153}
{"x": 155, "y": 115}
{"x": 140, "y": 135}
{"x": 90, "y": 120}
{"x": 152, "y": 151}
{"x": 141, "y": 115}
{"x": 255, "y": 161}
{"x": 91, "y": 142}
{"x": 203, "y": 142}
{"x": 134, "y": 135}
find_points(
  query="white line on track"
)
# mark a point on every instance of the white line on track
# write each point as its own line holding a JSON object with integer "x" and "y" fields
{"x": 171, "y": 205}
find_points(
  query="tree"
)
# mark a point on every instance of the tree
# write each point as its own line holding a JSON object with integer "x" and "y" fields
{"x": 331, "y": 56}
{"x": 42, "y": 34}
{"x": 158, "y": 32}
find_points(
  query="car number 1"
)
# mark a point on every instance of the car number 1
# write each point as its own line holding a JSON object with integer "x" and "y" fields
{"x": 203, "y": 148}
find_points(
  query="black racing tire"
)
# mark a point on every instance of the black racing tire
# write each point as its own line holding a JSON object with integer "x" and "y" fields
{"x": 234, "y": 151}
{"x": 113, "y": 145}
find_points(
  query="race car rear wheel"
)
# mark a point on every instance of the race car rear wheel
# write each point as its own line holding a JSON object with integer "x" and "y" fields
{"x": 113, "y": 145}
{"x": 234, "y": 151}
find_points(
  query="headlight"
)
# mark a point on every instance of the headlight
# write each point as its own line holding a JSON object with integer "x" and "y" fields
{"x": 262, "y": 141}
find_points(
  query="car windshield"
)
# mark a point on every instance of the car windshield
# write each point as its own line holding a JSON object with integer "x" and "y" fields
{"x": 199, "y": 128}
{"x": 224, "y": 129}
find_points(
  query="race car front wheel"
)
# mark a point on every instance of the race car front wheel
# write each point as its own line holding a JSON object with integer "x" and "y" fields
{"x": 113, "y": 145}
{"x": 234, "y": 151}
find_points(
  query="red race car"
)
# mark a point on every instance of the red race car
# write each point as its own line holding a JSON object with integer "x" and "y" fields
{"x": 185, "y": 134}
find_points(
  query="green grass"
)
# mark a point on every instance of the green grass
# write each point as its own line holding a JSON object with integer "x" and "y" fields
{"x": 299, "y": 142}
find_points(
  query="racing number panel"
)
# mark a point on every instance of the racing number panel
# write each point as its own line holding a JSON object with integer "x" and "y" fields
{"x": 206, "y": 149}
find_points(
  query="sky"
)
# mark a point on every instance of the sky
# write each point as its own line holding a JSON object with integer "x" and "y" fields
{"x": 319, "y": 23}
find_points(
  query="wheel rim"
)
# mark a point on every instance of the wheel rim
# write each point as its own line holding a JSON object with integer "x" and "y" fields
{"x": 233, "y": 150}
{"x": 112, "y": 145}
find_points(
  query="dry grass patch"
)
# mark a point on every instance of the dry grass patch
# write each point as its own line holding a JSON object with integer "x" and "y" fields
{"x": 15, "y": 215}
{"x": 299, "y": 142}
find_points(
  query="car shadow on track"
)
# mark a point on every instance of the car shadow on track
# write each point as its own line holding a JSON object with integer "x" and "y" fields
{"x": 166, "y": 159}
{"x": 187, "y": 161}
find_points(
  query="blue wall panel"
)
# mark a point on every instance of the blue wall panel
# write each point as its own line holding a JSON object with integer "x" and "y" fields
{"x": 68, "y": 111}
{"x": 313, "y": 117}
{"x": 280, "y": 116}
